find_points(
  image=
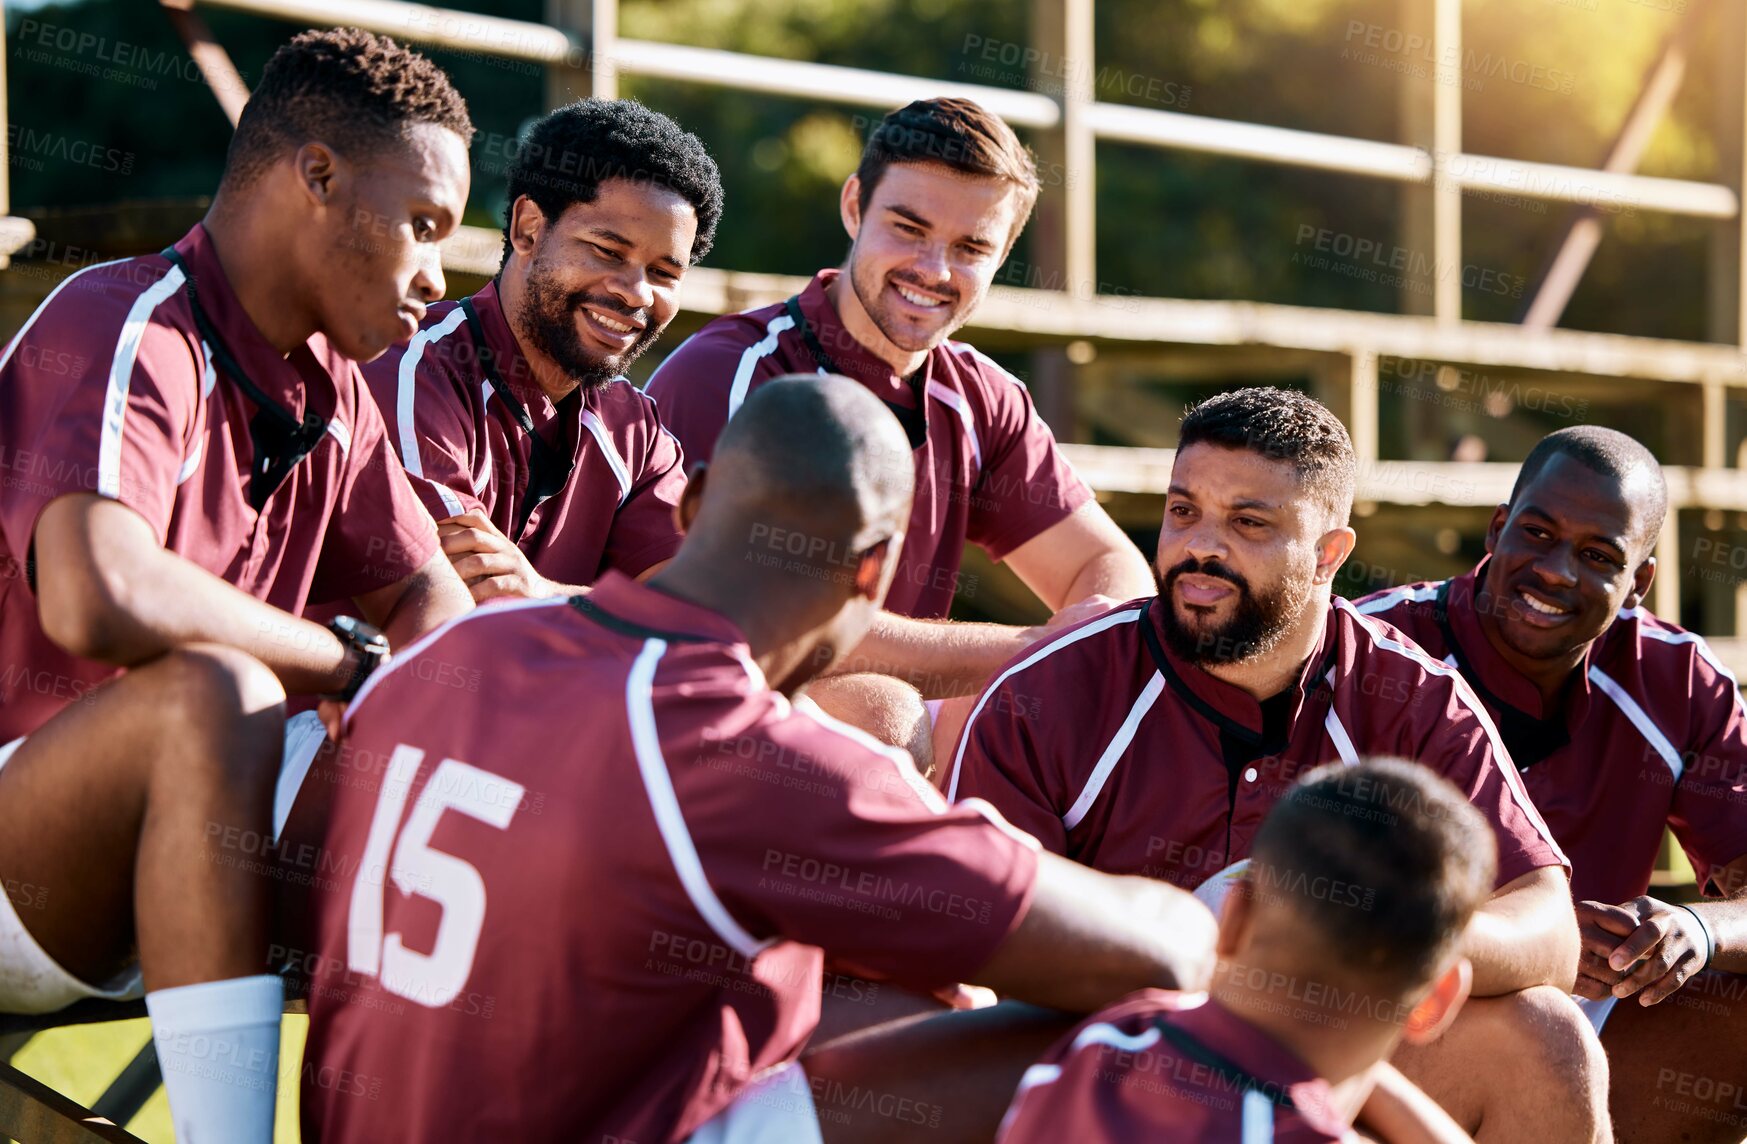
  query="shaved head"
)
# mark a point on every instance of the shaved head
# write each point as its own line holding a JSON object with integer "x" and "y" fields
{"x": 1612, "y": 454}
{"x": 816, "y": 457}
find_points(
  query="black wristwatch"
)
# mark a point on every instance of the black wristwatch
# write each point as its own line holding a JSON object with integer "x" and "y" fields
{"x": 368, "y": 646}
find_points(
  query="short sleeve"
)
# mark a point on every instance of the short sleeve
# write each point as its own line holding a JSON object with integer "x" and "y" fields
{"x": 1709, "y": 812}
{"x": 1000, "y": 761}
{"x": 1457, "y": 739}
{"x": 694, "y": 386}
{"x": 644, "y": 533}
{"x": 1025, "y": 485}
{"x": 117, "y": 422}
{"x": 379, "y": 533}
{"x": 870, "y": 864}
{"x": 436, "y": 443}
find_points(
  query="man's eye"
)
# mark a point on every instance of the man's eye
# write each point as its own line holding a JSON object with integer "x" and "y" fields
{"x": 604, "y": 252}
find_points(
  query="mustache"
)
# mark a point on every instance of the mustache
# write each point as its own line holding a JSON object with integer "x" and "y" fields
{"x": 1206, "y": 568}
{"x": 926, "y": 287}
{"x": 576, "y": 298}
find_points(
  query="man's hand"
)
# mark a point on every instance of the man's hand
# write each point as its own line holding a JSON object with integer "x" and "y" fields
{"x": 1071, "y": 615}
{"x": 1644, "y": 947}
{"x": 488, "y": 562}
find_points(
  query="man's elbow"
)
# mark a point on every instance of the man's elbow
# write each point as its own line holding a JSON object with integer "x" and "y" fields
{"x": 83, "y": 611}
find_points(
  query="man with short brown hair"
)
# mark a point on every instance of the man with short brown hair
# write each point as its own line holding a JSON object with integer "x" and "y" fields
{"x": 940, "y": 196}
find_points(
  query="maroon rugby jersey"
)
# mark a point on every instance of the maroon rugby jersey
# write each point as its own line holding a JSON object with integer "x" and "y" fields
{"x": 465, "y": 452}
{"x": 622, "y": 858}
{"x": 1171, "y": 1068}
{"x": 988, "y": 472}
{"x": 1115, "y": 753}
{"x": 1654, "y": 735}
{"x": 109, "y": 388}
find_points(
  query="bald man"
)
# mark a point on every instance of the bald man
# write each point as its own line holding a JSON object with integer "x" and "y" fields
{"x": 1624, "y": 726}
{"x": 632, "y": 847}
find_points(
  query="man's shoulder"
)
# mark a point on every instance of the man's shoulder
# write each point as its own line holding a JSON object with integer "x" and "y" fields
{"x": 985, "y": 380}
{"x": 110, "y": 299}
{"x": 1090, "y": 646}
{"x": 1374, "y": 643}
{"x": 1669, "y": 660}
{"x": 752, "y": 335}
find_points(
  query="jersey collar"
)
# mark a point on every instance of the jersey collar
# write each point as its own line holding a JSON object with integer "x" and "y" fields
{"x": 1497, "y": 676}
{"x": 286, "y": 378}
{"x": 507, "y": 354}
{"x": 855, "y": 360}
{"x": 658, "y": 611}
{"x": 1259, "y": 1054}
{"x": 1228, "y": 704}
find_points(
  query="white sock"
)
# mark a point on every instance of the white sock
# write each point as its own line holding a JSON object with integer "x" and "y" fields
{"x": 218, "y": 1044}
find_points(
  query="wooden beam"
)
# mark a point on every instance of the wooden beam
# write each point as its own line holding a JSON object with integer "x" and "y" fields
{"x": 1431, "y": 112}
{"x": 1583, "y": 227}
{"x": 1727, "y": 310}
{"x": 221, "y": 75}
{"x": 34, "y": 1113}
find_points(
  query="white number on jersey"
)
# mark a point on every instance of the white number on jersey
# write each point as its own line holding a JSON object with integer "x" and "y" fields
{"x": 436, "y": 978}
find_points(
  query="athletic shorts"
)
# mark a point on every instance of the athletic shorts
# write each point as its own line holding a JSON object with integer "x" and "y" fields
{"x": 776, "y": 1108}
{"x": 32, "y": 982}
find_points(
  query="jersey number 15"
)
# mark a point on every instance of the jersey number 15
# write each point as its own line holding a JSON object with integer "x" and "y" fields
{"x": 436, "y": 978}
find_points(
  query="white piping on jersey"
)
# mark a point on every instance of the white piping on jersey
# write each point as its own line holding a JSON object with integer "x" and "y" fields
{"x": 411, "y": 651}
{"x": 1662, "y": 635}
{"x": 1342, "y": 741}
{"x": 1652, "y": 733}
{"x": 191, "y": 463}
{"x": 127, "y": 349}
{"x": 1114, "y": 750}
{"x": 209, "y": 378}
{"x": 614, "y": 461}
{"x": 338, "y": 431}
{"x": 1101, "y": 1033}
{"x": 11, "y": 346}
{"x": 484, "y": 477}
{"x": 1407, "y": 594}
{"x": 408, "y": 389}
{"x": 955, "y": 400}
{"x": 1125, "y": 616}
{"x": 750, "y": 357}
{"x": 1258, "y": 1117}
{"x": 1465, "y": 694}
{"x": 669, "y": 820}
{"x": 1035, "y": 1077}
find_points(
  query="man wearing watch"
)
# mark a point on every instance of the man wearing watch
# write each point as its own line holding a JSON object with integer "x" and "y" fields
{"x": 1623, "y": 725}
{"x": 943, "y": 190}
{"x": 168, "y": 513}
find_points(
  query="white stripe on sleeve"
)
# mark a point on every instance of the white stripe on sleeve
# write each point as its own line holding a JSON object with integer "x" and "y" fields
{"x": 121, "y": 366}
{"x": 408, "y": 389}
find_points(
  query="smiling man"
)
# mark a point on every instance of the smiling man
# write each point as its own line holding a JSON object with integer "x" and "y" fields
{"x": 1623, "y": 725}
{"x": 542, "y": 464}
{"x": 1154, "y": 740}
{"x": 941, "y": 195}
{"x": 217, "y": 464}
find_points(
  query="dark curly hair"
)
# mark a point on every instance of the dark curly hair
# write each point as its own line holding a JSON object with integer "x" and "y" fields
{"x": 350, "y": 89}
{"x": 567, "y": 154}
{"x": 1281, "y": 425}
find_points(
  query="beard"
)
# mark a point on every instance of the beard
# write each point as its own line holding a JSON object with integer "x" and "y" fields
{"x": 1256, "y": 626}
{"x": 870, "y": 290}
{"x": 549, "y": 317}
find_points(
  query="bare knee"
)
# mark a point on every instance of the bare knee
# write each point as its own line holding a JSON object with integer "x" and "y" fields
{"x": 1552, "y": 1048}
{"x": 218, "y": 711}
{"x": 888, "y": 709}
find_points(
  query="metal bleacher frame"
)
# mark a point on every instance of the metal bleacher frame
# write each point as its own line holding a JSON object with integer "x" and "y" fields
{"x": 1064, "y": 304}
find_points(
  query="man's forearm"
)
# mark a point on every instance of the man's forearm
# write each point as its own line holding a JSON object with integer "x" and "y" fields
{"x": 1519, "y": 940}
{"x": 939, "y": 658}
{"x": 1117, "y": 575}
{"x": 1727, "y": 922}
{"x": 171, "y": 603}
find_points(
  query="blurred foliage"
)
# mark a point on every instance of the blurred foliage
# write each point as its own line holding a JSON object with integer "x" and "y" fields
{"x": 1548, "y": 80}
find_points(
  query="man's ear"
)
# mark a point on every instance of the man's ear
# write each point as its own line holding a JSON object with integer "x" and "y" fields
{"x": 1641, "y": 579}
{"x": 317, "y": 172}
{"x": 527, "y": 223}
{"x": 1495, "y": 529}
{"x": 686, "y": 510}
{"x": 1438, "y": 1008}
{"x": 1236, "y": 915}
{"x": 1332, "y": 550}
{"x": 849, "y": 206}
{"x": 870, "y": 570}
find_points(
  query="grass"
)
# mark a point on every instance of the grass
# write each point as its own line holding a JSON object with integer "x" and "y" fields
{"x": 82, "y": 1060}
